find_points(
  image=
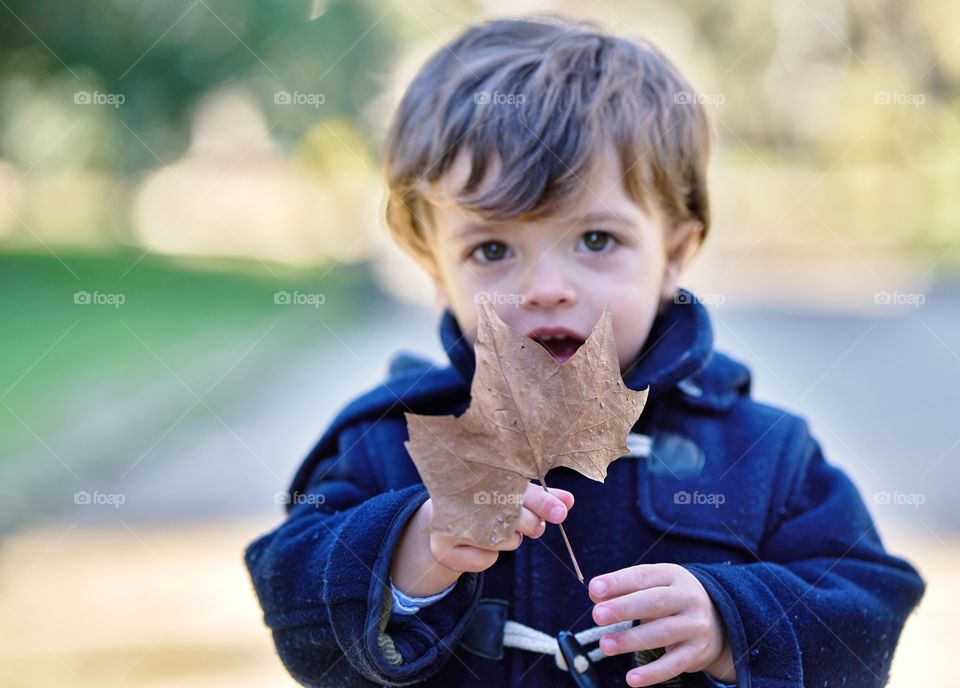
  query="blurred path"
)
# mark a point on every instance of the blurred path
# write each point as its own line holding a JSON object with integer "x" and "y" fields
{"x": 158, "y": 609}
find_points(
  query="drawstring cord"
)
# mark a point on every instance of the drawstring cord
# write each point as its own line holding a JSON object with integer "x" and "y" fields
{"x": 522, "y": 637}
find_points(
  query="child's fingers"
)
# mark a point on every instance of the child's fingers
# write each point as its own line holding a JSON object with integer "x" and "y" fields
{"x": 646, "y": 636}
{"x": 652, "y": 603}
{"x": 675, "y": 662}
{"x": 630, "y": 579}
{"x": 563, "y": 495}
{"x": 544, "y": 504}
{"x": 530, "y": 524}
{"x": 509, "y": 544}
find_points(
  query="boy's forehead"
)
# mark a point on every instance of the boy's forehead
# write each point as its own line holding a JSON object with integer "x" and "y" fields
{"x": 600, "y": 190}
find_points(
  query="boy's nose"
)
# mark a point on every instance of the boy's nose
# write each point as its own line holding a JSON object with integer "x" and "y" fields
{"x": 547, "y": 287}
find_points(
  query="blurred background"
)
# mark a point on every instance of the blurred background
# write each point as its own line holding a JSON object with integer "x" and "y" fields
{"x": 194, "y": 277}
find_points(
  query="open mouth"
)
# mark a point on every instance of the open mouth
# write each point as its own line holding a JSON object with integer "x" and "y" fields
{"x": 561, "y": 347}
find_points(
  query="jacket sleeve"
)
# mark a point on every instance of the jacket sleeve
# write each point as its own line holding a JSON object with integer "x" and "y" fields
{"x": 323, "y": 580}
{"x": 824, "y": 604}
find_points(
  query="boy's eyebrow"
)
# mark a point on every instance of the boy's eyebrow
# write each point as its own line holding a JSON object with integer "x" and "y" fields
{"x": 605, "y": 216}
{"x": 471, "y": 228}
{"x": 590, "y": 218}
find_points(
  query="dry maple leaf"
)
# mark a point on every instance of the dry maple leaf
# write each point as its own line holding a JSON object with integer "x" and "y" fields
{"x": 527, "y": 414}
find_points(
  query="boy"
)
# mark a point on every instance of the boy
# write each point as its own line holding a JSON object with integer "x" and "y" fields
{"x": 554, "y": 169}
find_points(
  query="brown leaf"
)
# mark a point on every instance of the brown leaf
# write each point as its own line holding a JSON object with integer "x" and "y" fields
{"x": 527, "y": 414}
{"x": 471, "y": 499}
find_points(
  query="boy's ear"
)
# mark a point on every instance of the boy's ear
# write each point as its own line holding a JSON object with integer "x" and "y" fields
{"x": 682, "y": 242}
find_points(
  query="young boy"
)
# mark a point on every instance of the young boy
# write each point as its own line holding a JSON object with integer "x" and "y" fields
{"x": 554, "y": 168}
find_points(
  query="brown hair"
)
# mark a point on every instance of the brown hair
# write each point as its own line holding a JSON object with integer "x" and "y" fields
{"x": 541, "y": 95}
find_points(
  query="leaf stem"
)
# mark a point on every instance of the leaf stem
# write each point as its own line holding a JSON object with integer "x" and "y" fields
{"x": 566, "y": 540}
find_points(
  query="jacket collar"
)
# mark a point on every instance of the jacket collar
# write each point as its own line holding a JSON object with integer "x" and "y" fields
{"x": 680, "y": 343}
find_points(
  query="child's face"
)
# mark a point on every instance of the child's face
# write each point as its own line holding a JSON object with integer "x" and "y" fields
{"x": 560, "y": 271}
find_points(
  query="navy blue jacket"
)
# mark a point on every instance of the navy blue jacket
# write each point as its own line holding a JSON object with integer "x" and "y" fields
{"x": 790, "y": 557}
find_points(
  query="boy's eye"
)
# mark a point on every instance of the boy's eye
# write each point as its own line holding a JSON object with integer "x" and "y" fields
{"x": 597, "y": 240}
{"x": 490, "y": 251}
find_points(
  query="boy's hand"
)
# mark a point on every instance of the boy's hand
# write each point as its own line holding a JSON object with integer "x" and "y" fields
{"x": 425, "y": 564}
{"x": 676, "y": 614}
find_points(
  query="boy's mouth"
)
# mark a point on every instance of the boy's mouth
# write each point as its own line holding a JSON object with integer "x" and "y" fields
{"x": 561, "y": 343}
